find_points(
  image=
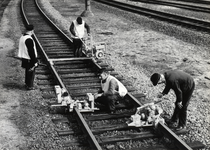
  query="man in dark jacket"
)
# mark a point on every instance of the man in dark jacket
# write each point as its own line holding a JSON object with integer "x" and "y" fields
{"x": 28, "y": 53}
{"x": 183, "y": 86}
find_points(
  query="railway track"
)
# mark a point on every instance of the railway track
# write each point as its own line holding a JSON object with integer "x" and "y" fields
{"x": 79, "y": 76}
{"x": 181, "y": 4}
{"x": 184, "y": 21}
{"x": 197, "y": 2}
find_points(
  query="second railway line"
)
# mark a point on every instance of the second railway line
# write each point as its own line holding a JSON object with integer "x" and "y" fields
{"x": 164, "y": 16}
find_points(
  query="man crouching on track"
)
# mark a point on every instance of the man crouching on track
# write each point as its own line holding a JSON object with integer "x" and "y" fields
{"x": 77, "y": 29}
{"x": 28, "y": 53}
{"x": 112, "y": 90}
{"x": 183, "y": 86}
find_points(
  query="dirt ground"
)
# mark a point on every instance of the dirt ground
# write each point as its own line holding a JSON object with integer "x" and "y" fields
{"x": 10, "y": 89}
{"x": 134, "y": 51}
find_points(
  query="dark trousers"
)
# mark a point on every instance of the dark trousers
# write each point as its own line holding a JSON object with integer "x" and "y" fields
{"x": 180, "y": 115}
{"x": 77, "y": 46}
{"x": 29, "y": 77}
{"x": 109, "y": 101}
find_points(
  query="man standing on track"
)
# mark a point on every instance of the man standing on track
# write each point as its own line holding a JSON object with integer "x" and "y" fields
{"x": 77, "y": 29}
{"x": 28, "y": 53}
{"x": 183, "y": 86}
{"x": 112, "y": 90}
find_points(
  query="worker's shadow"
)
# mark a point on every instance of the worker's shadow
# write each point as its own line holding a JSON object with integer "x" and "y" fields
{"x": 13, "y": 85}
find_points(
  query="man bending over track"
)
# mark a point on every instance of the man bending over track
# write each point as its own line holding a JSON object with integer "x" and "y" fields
{"x": 183, "y": 86}
{"x": 77, "y": 29}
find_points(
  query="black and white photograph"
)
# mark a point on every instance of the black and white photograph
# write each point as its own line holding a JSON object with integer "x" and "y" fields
{"x": 105, "y": 75}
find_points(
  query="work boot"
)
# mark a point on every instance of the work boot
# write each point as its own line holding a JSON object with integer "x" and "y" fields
{"x": 172, "y": 124}
{"x": 179, "y": 128}
{"x": 30, "y": 88}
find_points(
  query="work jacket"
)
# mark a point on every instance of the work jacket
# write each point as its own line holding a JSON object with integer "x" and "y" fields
{"x": 120, "y": 89}
{"x": 78, "y": 30}
{"x": 180, "y": 82}
{"x": 23, "y": 50}
{"x": 27, "y": 51}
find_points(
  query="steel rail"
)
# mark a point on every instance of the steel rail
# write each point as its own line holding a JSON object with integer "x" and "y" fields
{"x": 177, "y": 141}
{"x": 178, "y": 5}
{"x": 197, "y": 2}
{"x": 92, "y": 141}
{"x": 176, "y": 19}
{"x": 53, "y": 24}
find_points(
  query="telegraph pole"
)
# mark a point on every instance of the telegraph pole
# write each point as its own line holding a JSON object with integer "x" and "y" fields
{"x": 87, "y": 11}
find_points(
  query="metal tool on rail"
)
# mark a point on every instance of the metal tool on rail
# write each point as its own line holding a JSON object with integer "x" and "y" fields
{"x": 146, "y": 115}
{"x": 65, "y": 100}
{"x": 94, "y": 50}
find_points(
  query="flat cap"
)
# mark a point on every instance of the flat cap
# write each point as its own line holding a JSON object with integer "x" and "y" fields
{"x": 29, "y": 27}
{"x": 79, "y": 20}
{"x": 155, "y": 78}
{"x": 103, "y": 70}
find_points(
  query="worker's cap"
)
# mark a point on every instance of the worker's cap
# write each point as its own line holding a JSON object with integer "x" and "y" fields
{"x": 29, "y": 27}
{"x": 155, "y": 78}
{"x": 103, "y": 70}
{"x": 79, "y": 20}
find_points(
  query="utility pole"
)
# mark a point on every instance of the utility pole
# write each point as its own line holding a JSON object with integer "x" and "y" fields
{"x": 87, "y": 11}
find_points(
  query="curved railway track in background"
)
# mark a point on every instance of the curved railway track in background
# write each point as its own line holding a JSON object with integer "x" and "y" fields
{"x": 180, "y": 4}
{"x": 184, "y": 21}
{"x": 195, "y": 1}
{"x": 79, "y": 76}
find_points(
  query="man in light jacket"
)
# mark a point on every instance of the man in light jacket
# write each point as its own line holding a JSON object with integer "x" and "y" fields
{"x": 77, "y": 30}
{"x": 112, "y": 90}
{"x": 28, "y": 53}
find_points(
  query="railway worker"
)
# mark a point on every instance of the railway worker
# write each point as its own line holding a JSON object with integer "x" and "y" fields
{"x": 28, "y": 53}
{"x": 112, "y": 91}
{"x": 77, "y": 30}
{"x": 183, "y": 86}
